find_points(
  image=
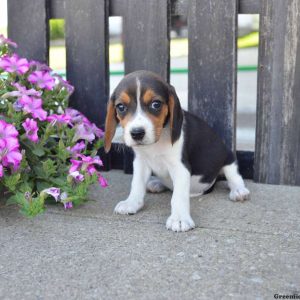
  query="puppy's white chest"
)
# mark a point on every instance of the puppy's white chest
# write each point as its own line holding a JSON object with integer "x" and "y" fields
{"x": 162, "y": 157}
{"x": 158, "y": 165}
{"x": 160, "y": 161}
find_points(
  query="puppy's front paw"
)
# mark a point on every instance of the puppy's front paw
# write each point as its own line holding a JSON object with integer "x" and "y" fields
{"x": 180, "y": 224}
{"x": 128, "y": 207}
{"x": 239, "y": 194}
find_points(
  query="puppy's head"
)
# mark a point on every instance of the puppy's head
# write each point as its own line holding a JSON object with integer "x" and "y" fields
{"x": 143, "y": 104}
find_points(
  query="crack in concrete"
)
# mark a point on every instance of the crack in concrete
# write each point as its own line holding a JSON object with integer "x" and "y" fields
{"x": 137, "y": 221}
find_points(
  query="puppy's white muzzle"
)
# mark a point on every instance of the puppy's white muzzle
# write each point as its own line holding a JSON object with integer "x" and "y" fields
{"x": 139, "y": 131}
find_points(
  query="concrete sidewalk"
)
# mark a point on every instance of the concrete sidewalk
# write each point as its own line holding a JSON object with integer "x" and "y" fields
{"x": 238, "y": 250}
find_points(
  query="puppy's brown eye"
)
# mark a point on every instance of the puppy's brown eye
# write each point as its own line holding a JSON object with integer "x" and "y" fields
{"x": 156, "y": 105}
{"x": 121, "y": 108}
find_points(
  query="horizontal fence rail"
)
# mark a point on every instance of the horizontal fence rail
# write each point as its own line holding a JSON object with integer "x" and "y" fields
{"x": 178, "y": 7}
{"x": 212, "y": 27}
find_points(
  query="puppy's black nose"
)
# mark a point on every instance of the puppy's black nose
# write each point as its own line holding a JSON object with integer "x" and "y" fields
{"x": 137, "y": 133}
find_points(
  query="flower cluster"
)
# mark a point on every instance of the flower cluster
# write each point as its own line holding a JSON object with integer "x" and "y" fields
{"x": 86, "y": 164}
{"x": 10, "y": 155}
{"x": 46, "y": 148}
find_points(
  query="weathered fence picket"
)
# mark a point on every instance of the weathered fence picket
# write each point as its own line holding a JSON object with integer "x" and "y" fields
{"x": 28, "y": 24}
{"x": 277, "y": 152}
{"x": 87, "y": 56}
{"x": 212, "y": 28}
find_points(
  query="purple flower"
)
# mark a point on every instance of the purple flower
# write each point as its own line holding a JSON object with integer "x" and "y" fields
{"x": 10, "y": 153}
{"x": 14, "y": 64}
{"x": 91, "y": 169}
{"x": 68, "y": 205}
{"x": 63, "y": 196}
{"x": 84, "y": 132}
{"x": 5, "y": 41}
{"x": 39, "y": 66}
{"x": 88, "y": 160}
{"x": 97, "y": 131}
{"x": 76, "y": 116}
{"x": 42, "y": 79}
{"x": 22, "y": 91}
{"x": 9, "y": 146}
{"x": 17, "y": 106}
{"x": 31, "y": 129}
{"x": 64, "y": 199}
{"x": 85, "y": 164}
{"x": 77, "y": 176}
{"x": 33, "y": 106}
{"x": 61, "y": 119}
{"x": 102, "y": 181}
{"x": 76, "y": 148}
{"x": 75, "y": 165}
{"x": 1, "y": 171}
{"x": 54, "y": 192}
{"x": 7, "y": 130}
{"x": 64, "y": 84}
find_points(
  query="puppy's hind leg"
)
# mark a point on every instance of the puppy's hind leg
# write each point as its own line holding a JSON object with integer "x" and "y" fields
{"x": 238, "y": 191}
{"x": 154, "y": 185}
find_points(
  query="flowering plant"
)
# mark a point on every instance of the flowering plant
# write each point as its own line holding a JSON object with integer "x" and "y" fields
{"x": 48, "y": 152}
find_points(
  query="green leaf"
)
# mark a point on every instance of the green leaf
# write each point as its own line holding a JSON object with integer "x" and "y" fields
{"x": 38, "y": 150}
{"x": 59, "y": 181}
{"x": 28, "y": 207}
{"x": 62, "y": 154}
{"x": 26, "y": 187}
{"x": 49, "y": 167}
{"x": 32, "y": 208}
{"x": 30, "y": 157}
{"x": 39, "y": 171}
{"x": 70, "y": 134}
{"x": 99, "y": 143}
{"x": 77, "y": 193}
{"x": 17, "y": 198}
{"x": 61, "y": 145}
{"x": 11, "y": 181}
{"x": 42, "y": 185}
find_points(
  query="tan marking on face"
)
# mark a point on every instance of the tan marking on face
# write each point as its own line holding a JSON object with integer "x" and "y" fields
{"x": 148, "y": 96}
{"x": 125, "y": 120}
{"x": 158, "y": 121}
{"x": 124, "y": 98}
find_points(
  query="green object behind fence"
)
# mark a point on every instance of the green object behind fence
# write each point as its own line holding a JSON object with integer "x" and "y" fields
{"x": 173, "y": 71}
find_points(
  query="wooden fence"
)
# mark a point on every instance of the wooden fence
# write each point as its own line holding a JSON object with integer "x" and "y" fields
{"x": 212, "y": 29}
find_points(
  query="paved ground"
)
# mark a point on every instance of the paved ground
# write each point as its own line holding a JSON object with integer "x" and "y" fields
{"x": 238, "y": 250}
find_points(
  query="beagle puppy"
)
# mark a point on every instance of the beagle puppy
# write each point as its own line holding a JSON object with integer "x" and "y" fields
{"x": 181, "y": 150}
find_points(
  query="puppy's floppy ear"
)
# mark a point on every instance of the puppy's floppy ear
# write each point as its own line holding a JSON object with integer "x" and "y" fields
{"x": 175, "y": 115}
{"x": 110, "y": 124}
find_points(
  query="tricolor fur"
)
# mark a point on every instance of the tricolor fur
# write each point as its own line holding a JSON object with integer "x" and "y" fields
{"x": 181, "y": 150}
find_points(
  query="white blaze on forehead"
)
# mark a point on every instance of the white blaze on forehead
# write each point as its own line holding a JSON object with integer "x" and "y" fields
{"x": 138, "y": 95}
{"x": 140, "y": 119}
